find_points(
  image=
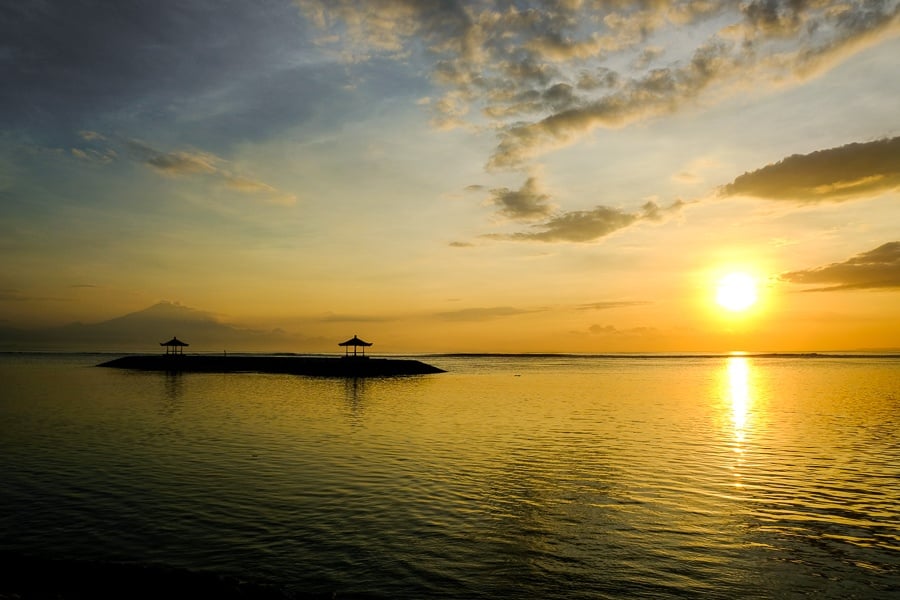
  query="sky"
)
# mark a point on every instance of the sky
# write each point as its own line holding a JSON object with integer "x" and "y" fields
{"x": 450, "y": 176}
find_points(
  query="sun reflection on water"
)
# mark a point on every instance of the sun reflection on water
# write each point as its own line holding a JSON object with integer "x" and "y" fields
{"x": 739, "y": 392}
{"x": 738, "y": 374}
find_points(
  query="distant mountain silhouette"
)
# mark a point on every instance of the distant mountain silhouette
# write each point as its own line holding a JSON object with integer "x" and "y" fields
{"x": 142, "y": 331}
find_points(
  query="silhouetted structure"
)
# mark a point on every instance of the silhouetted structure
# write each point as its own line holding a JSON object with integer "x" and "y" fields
{"x": 355, "y": 343}
{"x": 174, "y": 347}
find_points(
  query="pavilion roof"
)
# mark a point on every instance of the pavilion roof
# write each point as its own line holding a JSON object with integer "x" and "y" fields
{"x": 174, "y": 342}
{"x": 355, "y": 341}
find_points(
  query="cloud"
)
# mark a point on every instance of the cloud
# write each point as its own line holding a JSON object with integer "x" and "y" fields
{"x": 612, "y": 330}
{"x": 258, "y": 188}
{"x": 875, "y": 269}
{"x": 647, "y": 56}
{"x": 14, "y": 295}
{"x": 527, "y": 203}
{"x": 544, "y": 75}
{"x": 339, "y": 318}
{"x": 530, "y": 203}
{"x": 588, "y": 225}
{"x": 836, "y": 174}
{"x": 611, "y": 304}
{"x": 692, "y": 173}
{"x": 94, "y": 156}
{"x": 483, "y": 314}
{"x": 181, "y": 163}
{"x": 177, "y": 163}
{"x": 91, "y": 136}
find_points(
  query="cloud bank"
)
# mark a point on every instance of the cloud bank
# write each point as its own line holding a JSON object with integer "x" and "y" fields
{"x": 831, "y": 175}
{"x": 544, "y": 74}
{"x": 875, "y": 269}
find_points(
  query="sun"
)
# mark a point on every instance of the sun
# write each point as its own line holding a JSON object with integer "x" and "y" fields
{"x": 736, "y": 292}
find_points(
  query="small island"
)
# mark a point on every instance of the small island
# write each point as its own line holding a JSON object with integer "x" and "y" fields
{"x": 351, "y": 364}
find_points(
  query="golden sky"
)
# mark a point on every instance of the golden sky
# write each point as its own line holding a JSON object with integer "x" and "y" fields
{"x": 535, "y": 176}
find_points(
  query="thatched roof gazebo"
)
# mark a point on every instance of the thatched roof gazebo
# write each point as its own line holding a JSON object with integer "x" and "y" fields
{"x": 174, "y": 347}
{"x": 355, "y": 343}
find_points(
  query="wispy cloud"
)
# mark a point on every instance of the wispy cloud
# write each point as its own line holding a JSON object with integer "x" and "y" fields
{"x": 878, "y": 268}
{"x": 836, "y": 174}
{"x": 94, "y": 156}
{"x": 612, "y": 304}
{"x": 15, "y": 295}
{"x": 544, "y": 75}
{"x": 483, "y": 313}
{"x": 613, "y": 330}
{"x": 355, "y": 318}
{"x": 180, "y": 163}
{"x": 252, "y": 187}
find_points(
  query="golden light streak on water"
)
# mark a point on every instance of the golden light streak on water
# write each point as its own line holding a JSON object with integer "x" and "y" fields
{"x": 739, "y": 391}
{"x": 738, "y": 380}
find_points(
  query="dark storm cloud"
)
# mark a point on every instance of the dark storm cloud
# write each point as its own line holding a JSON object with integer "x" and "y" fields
{"x": 878, "y": 268}
{"x": 538, "y": 70}
{"x": 836, "y": 174}
{"x": 70, "y": 64}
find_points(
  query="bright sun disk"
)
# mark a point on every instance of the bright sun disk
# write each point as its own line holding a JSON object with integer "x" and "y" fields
{"x": 736, "y": 292}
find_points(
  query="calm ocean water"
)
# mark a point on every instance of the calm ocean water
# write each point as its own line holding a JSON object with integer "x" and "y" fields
{"x": 507, "y": 477}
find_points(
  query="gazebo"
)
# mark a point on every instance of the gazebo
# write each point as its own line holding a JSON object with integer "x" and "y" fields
{"x": 355, "y": 343}
{"x": 174, "y": 347}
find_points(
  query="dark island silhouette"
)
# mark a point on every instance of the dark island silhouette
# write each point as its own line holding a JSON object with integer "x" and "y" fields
{"x": 354, "y": 363}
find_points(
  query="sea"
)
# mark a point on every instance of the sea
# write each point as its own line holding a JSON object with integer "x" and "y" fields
{"x": 508, "y": 476}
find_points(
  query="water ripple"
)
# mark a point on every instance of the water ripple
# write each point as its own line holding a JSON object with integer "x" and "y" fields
{"x": 755, "y": 478}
